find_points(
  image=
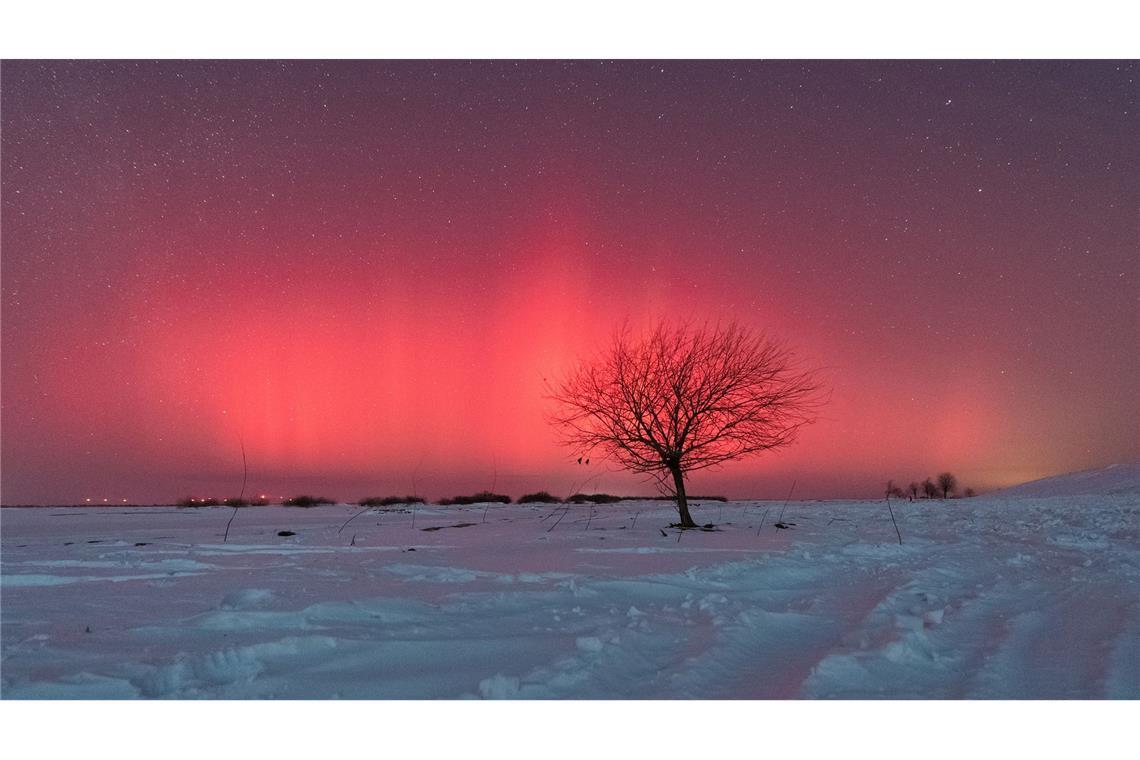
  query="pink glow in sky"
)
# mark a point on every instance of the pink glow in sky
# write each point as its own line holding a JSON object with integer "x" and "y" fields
{"x": 365, "y": 270}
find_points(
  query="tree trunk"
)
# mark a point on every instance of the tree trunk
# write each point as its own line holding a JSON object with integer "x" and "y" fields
{"x": 682, "y": 500}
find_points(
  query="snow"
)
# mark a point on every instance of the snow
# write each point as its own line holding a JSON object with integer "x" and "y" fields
{"x": 1117, "y": 478}
{"x": 1033, "y": 592}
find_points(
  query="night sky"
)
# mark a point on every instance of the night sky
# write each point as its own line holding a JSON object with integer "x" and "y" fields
{"x": 365, "y": 270}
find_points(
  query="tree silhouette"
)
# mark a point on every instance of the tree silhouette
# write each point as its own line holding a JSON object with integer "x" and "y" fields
{"x": 684, "y": 398}
{"x": 929, "y": 490}
{"x": 947, "y": 483}
{"x": 913, "y": 489}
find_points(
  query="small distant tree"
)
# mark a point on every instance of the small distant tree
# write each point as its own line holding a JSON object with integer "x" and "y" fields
{"x": 969, "y": 493}
{"x": 542, "y": 497}
{"x": 913, "y": 490}
{"x": 682, "y": 399}
{"x": 947, "y": 483}
{"x": 893, "y": 490}
{"x": 929, "y": 490}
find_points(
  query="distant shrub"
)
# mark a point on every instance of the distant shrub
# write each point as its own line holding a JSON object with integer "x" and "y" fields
{"x": 232, "y": 501}
{"x": 542, "y": 497}
{"x": 483, "y": 497}
{"x": 674, "y": 498}
{"x": 969, "y": 493}
{"x": 307, "y": 501}
{"x": 389, "y": 501}
{"x": 594, "y": 498}
{"x": 190, "y": 502}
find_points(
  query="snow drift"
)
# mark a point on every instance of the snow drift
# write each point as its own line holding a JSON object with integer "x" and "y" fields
{"x": 1114, "y": 479}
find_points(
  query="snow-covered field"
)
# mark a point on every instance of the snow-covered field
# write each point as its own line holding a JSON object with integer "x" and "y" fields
{"x": 1025, "y": 596}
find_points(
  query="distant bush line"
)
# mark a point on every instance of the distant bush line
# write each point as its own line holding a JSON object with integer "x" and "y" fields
{"x": 542, "y": 497}
{"x": 593, "y": 498}
{"x": 232, "y": 502}
{"x": 307, "y": 501}
{"x": 483, "y": 497}
{"x": 389, "y": 501}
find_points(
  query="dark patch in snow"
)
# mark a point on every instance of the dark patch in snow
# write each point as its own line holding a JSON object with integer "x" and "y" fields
{"x": 284, "y": 533}
{"x": 441, "y": 527}
{"x": 707, "y": 528}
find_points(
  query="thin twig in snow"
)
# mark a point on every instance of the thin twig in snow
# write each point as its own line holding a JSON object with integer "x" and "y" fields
{"x": 555, "y": 525}
{"x": 893, "y": 520}
{"x": 244, "y": 477}
{"x": 415, "y": 475}
{"x": 781, "y": 517}
{"x": 346, "y": 522}
{"x": 762, "y": 519}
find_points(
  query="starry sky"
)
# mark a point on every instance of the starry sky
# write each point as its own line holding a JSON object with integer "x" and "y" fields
{"x": 363, "y": 271}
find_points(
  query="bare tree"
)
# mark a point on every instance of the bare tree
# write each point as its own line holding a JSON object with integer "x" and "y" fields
{"x": 969, "y": 493}
{"x": 913, "y": 490}
{"x": 947, "y": 483}
{"x": 929, "y": 490}
{"x": 893, "y": 490}
{"x": 683, "y": 398}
